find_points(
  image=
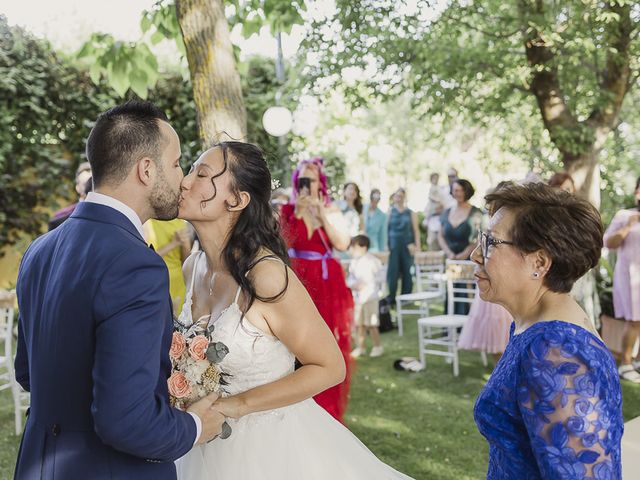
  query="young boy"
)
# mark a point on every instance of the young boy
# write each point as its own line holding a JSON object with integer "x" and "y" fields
{"x": 364, "y": 279}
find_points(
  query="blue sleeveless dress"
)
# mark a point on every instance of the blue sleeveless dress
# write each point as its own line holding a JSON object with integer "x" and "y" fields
{"x": 552, "y": 409}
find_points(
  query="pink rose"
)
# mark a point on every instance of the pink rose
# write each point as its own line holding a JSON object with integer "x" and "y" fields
{"x": 179, "y": 386}
{"x": 178, "y": 344}
{"x": 198, "y": 347}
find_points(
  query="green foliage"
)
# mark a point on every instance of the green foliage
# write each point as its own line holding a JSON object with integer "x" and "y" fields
{"x": 259, "y": 87}
{"x": 465, "y": 56}
{"x": 174, "y": 95}
{"x": 467, "y": 60}
{"x": 124, "y": 65}
{"x": 334, "y": 168}
{"x": 279, "y": 15}
{"x": 50, "y": 106}
{"x": 47, "y": 109}
{"x": 132, "y": 65}
{"x": 163, "y": 19}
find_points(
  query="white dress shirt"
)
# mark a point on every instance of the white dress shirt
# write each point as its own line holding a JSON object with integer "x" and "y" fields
{"x": 365, "y": 272}
{"x": 106, "y": 200}
{"x": 127, "y": 211}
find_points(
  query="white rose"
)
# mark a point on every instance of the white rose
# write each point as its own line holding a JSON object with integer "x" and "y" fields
{"x": 194, "y": 369}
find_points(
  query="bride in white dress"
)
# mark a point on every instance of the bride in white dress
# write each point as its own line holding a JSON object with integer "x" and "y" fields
{"x": 264, "y": 316}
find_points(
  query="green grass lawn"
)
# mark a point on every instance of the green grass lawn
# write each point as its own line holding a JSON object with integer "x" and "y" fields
{"x": 8, "y": 440}
{"x": 420, "y": 423}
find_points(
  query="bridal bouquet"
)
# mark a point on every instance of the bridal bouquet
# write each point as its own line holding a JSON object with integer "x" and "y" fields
{"x": 194, "y": 364}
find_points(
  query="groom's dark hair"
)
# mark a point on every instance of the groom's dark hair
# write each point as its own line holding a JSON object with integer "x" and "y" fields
{"x": 120, "y": 137}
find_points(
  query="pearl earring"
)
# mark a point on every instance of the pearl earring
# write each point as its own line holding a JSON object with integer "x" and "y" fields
{"x": 536, "y": 274}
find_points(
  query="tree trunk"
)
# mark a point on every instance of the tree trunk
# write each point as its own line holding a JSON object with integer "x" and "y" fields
{"x": 585, "y": 171}
{"x": 579, "y": 142}
{"x": 217, "y": 90}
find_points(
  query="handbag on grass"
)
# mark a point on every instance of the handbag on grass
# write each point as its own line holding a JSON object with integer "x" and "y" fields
{"x": 384, "y": 315}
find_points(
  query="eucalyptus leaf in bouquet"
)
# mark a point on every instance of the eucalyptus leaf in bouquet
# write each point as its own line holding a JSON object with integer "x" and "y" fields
{"x": 216, "y": 352}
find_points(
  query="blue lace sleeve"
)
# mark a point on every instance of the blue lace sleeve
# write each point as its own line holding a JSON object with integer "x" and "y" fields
{"x": 568, "y": 401}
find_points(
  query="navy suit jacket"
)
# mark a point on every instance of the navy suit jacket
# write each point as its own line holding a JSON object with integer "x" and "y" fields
{"x": 93, "y": 349}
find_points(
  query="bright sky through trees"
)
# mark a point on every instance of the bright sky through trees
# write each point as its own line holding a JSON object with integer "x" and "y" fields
{"x": 67, "y": 24}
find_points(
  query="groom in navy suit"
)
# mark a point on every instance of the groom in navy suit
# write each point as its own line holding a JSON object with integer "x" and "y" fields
{"x": 95, "y": 320}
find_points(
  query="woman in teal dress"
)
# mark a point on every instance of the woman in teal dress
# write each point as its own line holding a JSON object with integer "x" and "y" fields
{"x": 460, "y": 223}
{"x": 404, "y": 242}
{"x": 375, "y": 223}
{"x": 459, "y": 229}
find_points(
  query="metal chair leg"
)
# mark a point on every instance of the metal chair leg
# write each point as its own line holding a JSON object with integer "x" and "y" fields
{"x": 421, "y": 345}
{"x": 454, "y": 345}
{"x": 17, "y": 408}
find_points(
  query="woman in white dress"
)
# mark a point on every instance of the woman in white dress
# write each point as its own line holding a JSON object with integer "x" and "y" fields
{"x": 264, "y": 316}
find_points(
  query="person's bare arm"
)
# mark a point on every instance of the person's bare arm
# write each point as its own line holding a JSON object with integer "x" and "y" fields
{"x": 316, "y": 207}
{"x": 339, "y": 239}
{"x": 466, "y": 253}
{"x": 443, "y": 245}
{"x": 185, "y": 240}
{"x": 416, "y": 234}
{"x": 616, "y": 239}
{"x": 304, "y": 333}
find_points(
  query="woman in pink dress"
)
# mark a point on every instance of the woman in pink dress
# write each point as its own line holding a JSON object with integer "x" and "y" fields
{"x": 623, "y": 235}
{"x": 487, "y": 328}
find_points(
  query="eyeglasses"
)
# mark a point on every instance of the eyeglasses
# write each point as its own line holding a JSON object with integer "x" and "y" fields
{"x": 485, "y": 240}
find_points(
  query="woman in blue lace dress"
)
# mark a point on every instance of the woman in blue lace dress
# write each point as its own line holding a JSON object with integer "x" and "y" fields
{"x": 552, "y": 409}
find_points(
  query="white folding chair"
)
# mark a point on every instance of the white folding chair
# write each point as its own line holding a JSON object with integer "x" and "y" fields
{"x": 430, "y": 282}
{"x": 446, "y": 326}
{"x": 7, "y": 373}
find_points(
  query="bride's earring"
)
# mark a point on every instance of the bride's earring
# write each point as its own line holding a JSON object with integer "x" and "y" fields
{"x": 536, "y": 274}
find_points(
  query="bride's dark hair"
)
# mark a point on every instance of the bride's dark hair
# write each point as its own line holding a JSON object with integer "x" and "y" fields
{"x": 257, "y": 227}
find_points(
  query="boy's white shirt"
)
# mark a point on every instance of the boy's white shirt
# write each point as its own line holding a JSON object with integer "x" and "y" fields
{"x": 367, "y": 271}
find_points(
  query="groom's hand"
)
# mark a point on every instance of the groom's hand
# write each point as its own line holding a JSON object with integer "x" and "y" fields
{"x": 211, "y": 418}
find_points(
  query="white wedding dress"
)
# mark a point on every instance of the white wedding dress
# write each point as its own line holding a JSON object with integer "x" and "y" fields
{"x": 297, "y": 442}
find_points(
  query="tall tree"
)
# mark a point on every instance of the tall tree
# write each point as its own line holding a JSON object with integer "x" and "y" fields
{"x": 575, "y": 60}
{"x": 580, "y": 140}
{"x": 217, "y": 91}
{"x": 201, "y": 31}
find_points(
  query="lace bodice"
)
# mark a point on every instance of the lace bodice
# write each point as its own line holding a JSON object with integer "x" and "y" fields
{"x": 252, "y": 358}
{"x": 552, "y": 408}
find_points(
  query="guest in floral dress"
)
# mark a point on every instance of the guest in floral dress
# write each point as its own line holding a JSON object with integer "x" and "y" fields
{"x": 623, "y": 234}
{"x": 552, "y": 408}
